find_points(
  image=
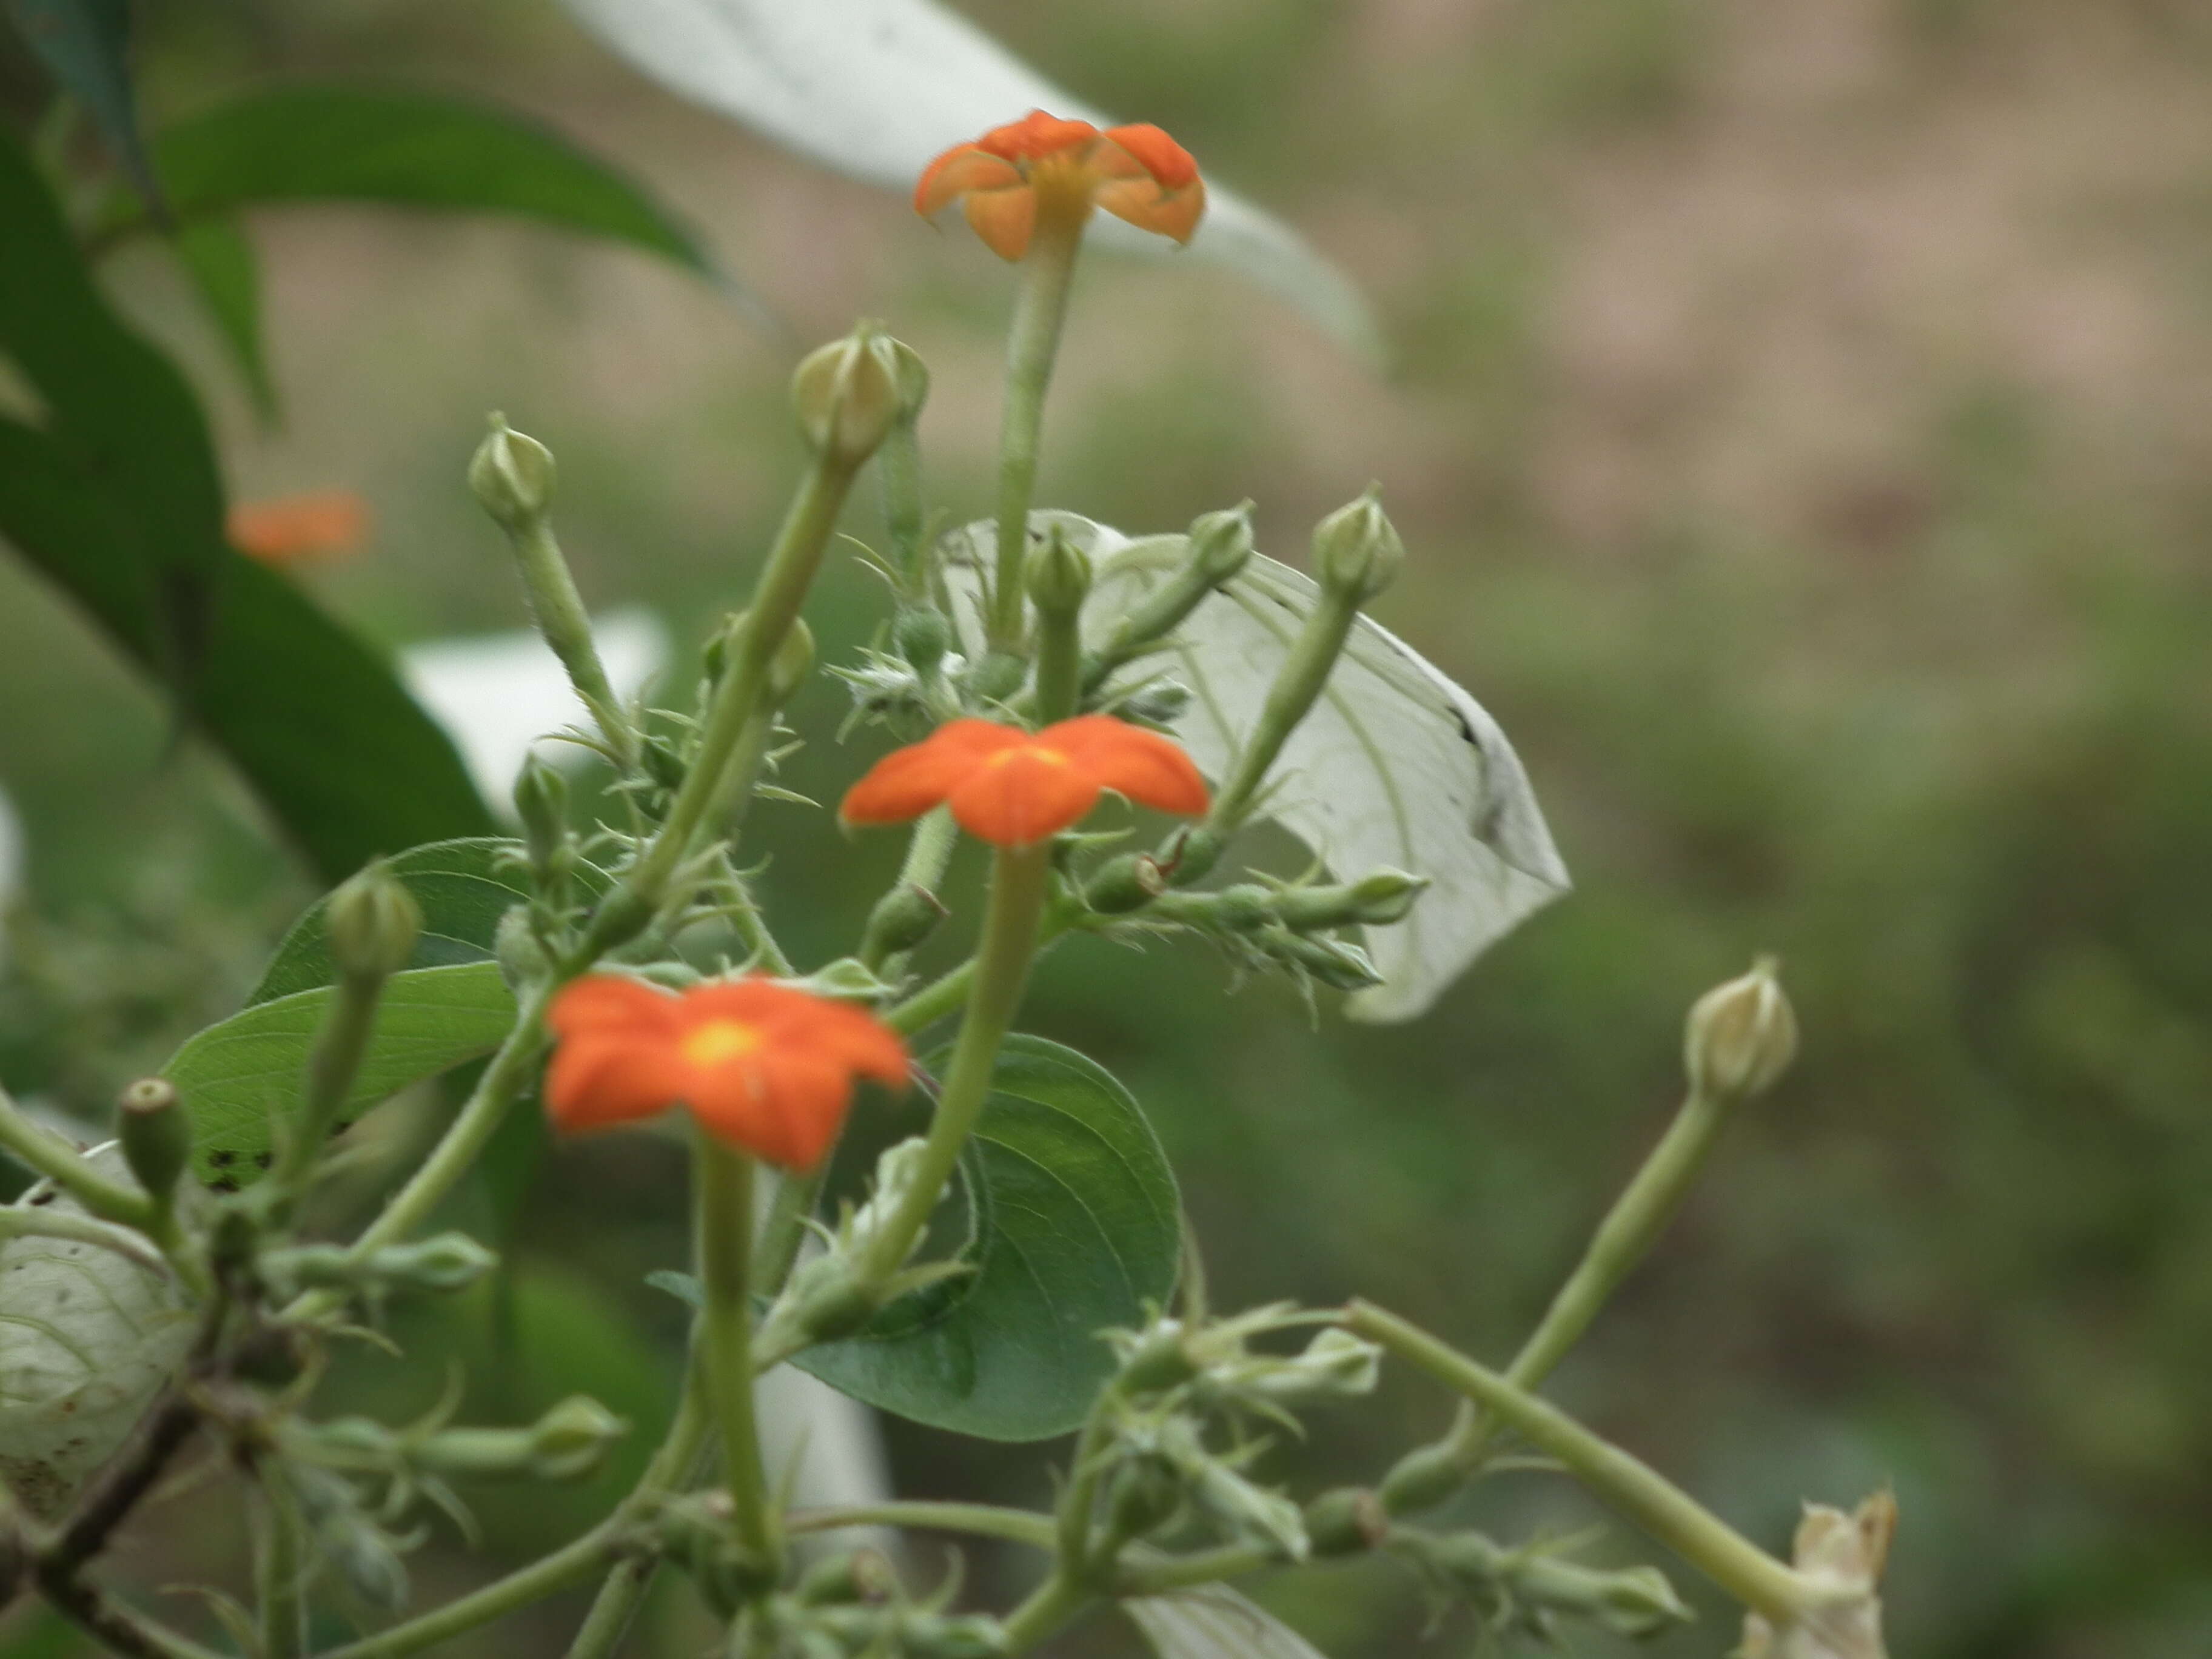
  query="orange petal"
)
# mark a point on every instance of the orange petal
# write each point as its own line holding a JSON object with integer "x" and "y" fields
{"x": 1145, "y": 204}
{"x": 1036, "y": 135}
{"x": 959, "y": 170}
{"x": 861, "y": 1042}
{"x": 907, "y": 782}
{"x": 1023, "y": 798}
{"x": 604, "y": 1003}
{"x": 782, "y": 1105}
{"x": 1003, "y": 218}
{"x": 595, "y": 1084}
{"x": 294, "y": 527}
{"x": 1147, "y": 767}
{"x": 1158, "y": 154}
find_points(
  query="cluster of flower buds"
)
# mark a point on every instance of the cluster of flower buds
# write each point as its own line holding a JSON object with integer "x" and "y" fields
{"x": 1284, "y": 927}
{"x": 1159, "y": 1465}
{"x": 1214, "y": 1366}
{"x": 1532, "y": 1589}
{"x": 1218, "y": 547}
{"x": 364, "y": 1554}
{"x": 834, "y": 1294}
{"x": 442, "y": 1263}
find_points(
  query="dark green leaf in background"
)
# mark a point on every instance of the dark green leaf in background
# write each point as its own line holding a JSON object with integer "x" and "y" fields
{"x": 319, "y": 143}
{"x": 117, "y": 499}
{"x": 85, "y": 45}
{"x": 1073, "y": 1230}
{"x": 225, "y": 272}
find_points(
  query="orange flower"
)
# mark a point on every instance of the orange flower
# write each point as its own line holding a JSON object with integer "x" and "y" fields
{"x": 762, "y": 1066}
{"x": 294, "y": 528}
{"x": 1135, "y": 173}
{"x": 1013, "y": 787}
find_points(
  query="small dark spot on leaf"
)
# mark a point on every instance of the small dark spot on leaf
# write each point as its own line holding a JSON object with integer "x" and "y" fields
{"x": 223, "y": 1160}
{"x": 263, "y": 1160}
{"x": 225, "y": 1183}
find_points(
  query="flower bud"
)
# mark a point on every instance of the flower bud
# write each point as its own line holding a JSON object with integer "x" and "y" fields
{"x": 156, "y": 1134}
{"x": 1221, "y": 543}
{"x": 1157, "y": 702}
{"x": 1059, "y": 575}
{"x": 1336, "y": 964}
{"x": 1348, "y": 1521}
{"x": 1424, "y": 1478}
{"x": 922, "y": 636}
{"x": 1156, "y": 1359}
{"x": 958, "y": 1636}
{"x": 443, "y": 1263}
{"x": 1336, "y": 1365}
{"x": 521, "y": 955}
{"x": 793, "y": 661}
{"x": 1125, "y": 883}
{"x": 1741, "y": 1036}
{"x": 863, "y": 1576}
{"x": 848, "y": 394}
{"x": 1142, "y": 1497}
{"x": 1245, "y": 907}
{"x": 374, "y": 924}
{"x": 1197, "y": 850}
{"x": 1635, "y": 1603}
{"x": 902, "y": 920}
{"x": 569, "y": 1441}
{"x": 541, "y": 801}
{"x": 1356, "y": 550}
{"x": 1375, "y": 901}
{"x": 513, "y": 477}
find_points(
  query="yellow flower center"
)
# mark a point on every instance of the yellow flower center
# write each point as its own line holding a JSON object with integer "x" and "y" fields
{"x": 1036, "y": 751}
{"x": 718, "y": 1041}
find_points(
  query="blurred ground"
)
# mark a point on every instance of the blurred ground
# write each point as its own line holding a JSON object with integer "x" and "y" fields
{"x": 1800, "y": 428}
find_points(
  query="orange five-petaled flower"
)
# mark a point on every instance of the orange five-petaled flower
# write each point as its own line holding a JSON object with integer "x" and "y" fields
{"x": 1014, "y": 787}
{"x": 762, "y": 1066}
{"x": 1135, "y": 173}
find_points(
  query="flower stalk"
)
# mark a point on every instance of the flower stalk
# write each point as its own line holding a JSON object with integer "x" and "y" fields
{"x": 723, "y": 1179}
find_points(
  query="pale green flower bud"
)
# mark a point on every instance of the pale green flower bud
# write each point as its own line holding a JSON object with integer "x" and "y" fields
{"x": 848, "y": 394}
{"x": 1059, "y": 575}
{"x": 863, "y": 1577}
{"x": 1244, "y": 907}
{"x": 541, "y": 801}
{"x": 922, "y": 636}
{"x": 792, "y": 662}
{"x": 1125, "y": 883}
{"x": 156, "y": 1134}
{"x": 1336, "y": 1365}
{"x": 1221, "y": 543}
{"x": 443, "y": 1263}
{"x": 1356, "y": 550}
{"x": 1347, "y": 1521}
{"x": 902, "y": 920}
{"x": 374, "y": 924}
{"x": 1741, "y": 1036}
{"x": 512, "y": 476}
{"x": 569, "y": 1441}
{"x": 1374, "y": 901}
{"x": 1636, "y": 1603}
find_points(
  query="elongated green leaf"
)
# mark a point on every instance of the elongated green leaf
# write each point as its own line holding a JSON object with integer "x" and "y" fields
{"x": 463, "y": 888}
{"x": 239, "y": 1078}
{"x": 330, "y": 142}
{"x": 226, "y": 275}
{"x": 1215, "y": 1623}
{"x": 118, "y": 499}
{"x": 874, "y": 88}
{"x": 85, "y": 45}
{"x": 1073, "y": 1230}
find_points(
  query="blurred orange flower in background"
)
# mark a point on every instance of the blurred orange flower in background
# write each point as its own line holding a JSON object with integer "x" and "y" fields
{"x": 1135, "y": 173}
{"x": 294, "y": 529}
{"x": 762, "y": 1066}
{"x": 1014, "y": 787}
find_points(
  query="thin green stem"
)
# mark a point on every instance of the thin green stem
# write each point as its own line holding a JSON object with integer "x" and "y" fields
{"x": 1048, "y": 1610}
{"x": 571, "y": 1565}
{"x": 898, "y": 470}
{"x": 1040, "y": 313}
{"x": 1019, "y": 880}
{"x": 51, "y": 1155}
{"x": 723, "y": 1177}
{"x": 558, "y": 610}
{"x": 1632, "y": 1488}
{"x": 978, "y": 1520}
{"x": 1303, "y": 674}
{"x": 946, "y": 994}
{"x": 332, "y": 1065}
{"x": 279, "y": 1570}
{"x": 1059, "y": 665}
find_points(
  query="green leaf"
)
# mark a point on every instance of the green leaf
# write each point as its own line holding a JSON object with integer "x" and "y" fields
{"x": 85, "y": 45}
{"x": 1073, "y": 1217}
{"x": 116, "y": 498}
{"x": 463, "y": 888}
{"x": 326, "y": 142}
{"x": 1215, "y": 1622}
{"x": 220, "y": 262}
{"x": 239, "y": 1078}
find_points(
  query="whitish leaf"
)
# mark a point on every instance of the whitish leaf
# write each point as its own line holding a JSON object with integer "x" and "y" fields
{"x": 1215, "y": 1623}
{"x": 87, "y": 1338}
{"x": 1396, "y": 765}
{"x": 874, "y": 88}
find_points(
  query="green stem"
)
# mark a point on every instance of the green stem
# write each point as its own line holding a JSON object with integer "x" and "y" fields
{"x": 1020, "y": 878}
{"x": 1059, "y": 665}
{"x": 1633, "y": 1489}
{"x": 979, "y": 1520}
{"x": 724, "y": 1180}
{"x": 278, "y": 1570}
{"x": 558, "y": 610}
{"x": 572, "y": 1563}
{"x": 1048, "y": 1609}
{"x": 47, "y": 1222}
{"x": 1039, "y": 312}
{"x": 898, "y": 470}
{"x": 332, "y": 1065}
{"x": 51, "y": 1155}
{"x": 947, "y": 994}
{"x": 1298, "y": 683}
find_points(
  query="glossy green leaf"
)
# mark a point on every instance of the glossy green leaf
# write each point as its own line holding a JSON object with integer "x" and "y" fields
{"x": 85, "y": 45}
{"x": 325, "y": 142}
{"x": 116, "y": 497}
{"x": 240, "y": 1078}
{"x": 226, "y": 275}
{"x": 1073, "y": 1214}
{"x": 463, "y": 888}
{"x": 1215, "y": 1622}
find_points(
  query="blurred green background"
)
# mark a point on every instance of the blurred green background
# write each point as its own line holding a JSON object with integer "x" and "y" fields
{"x": 1800, "y": 428}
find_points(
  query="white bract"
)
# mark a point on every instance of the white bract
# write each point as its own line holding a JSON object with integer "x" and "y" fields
{"x": 1396, "y": 766}
{"x": 875, "y": 88}
{"x": 1215, "y": 1623}
{"x": 88, "y": 1337}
